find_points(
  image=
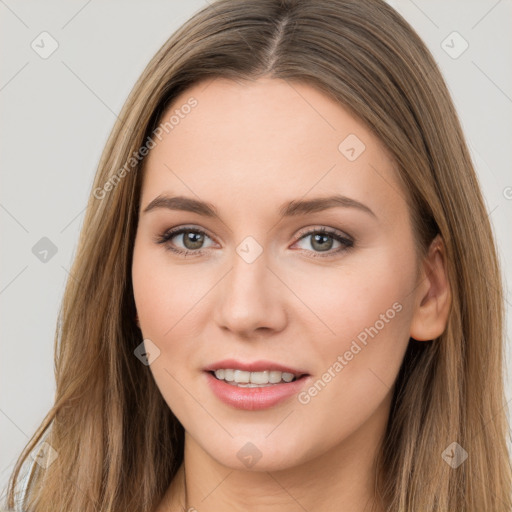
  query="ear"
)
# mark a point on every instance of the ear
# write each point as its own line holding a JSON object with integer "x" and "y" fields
{"x": 433, "y": 295}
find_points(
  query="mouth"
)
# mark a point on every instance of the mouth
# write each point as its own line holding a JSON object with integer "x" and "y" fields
{"x": 254, "y": 386}
{"x": 260, "y": 379}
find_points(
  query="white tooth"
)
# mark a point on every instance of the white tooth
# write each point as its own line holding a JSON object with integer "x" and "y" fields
{"x": 242, "y": 376}
{"x": 287, "y": 377}
{"x": 259, "y": 377}
{"x": 229, "y": 375}
{"x": 219, "y": 374}
{"x": 274, "y": 377}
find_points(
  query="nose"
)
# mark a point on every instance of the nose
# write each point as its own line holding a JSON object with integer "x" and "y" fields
{"x": 251, "y": 299}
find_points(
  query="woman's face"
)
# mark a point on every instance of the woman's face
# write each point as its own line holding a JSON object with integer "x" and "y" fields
{"x": 300, "y": 260}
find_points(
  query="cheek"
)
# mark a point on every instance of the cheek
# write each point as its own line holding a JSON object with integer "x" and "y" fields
{"x": 363, "y": 292}
{"x": 368, "y": 309}
{"x": 165, "y": 295}
{"x": 171, "y": 301}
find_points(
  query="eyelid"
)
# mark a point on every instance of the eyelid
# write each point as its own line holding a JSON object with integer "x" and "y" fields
{"x": 340, "y": 236}
{"x": 304, "y": 231}
{"x": 344, "y": 239}
{"x": 178, "y": 230}
{"x": 324, "y": 229}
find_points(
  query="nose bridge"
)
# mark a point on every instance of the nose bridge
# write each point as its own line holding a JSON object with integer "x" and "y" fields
{"x": 249, "y": 272}
{"x": 250, "y": 298}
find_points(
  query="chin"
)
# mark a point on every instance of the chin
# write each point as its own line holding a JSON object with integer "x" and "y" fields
{"x": 257, "y": 454}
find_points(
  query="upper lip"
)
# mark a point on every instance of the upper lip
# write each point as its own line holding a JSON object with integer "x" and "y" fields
{"x": 254, "y": 366}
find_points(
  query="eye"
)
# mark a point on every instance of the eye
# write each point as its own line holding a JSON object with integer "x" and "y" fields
{"x": 192, "y": 239}
{"x": 323, "y": 239}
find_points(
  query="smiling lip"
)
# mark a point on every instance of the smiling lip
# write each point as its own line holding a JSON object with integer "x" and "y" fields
{"x": 252, "y": 399}
{"x": 255, "y": 366}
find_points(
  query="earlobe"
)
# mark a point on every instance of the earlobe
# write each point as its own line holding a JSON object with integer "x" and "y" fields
{"x": 433, "y": 295}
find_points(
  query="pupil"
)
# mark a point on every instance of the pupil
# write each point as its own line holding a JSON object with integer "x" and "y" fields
{"x": 318, "y": 237}
{"x": 193, "y": 238}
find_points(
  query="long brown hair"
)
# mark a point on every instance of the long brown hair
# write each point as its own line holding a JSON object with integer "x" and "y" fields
{"x": 118, "y": 444}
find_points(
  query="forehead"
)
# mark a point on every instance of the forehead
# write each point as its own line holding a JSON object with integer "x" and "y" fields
{"x": 264, "y": 140}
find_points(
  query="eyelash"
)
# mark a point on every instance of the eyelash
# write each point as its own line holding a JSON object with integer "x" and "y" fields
{"x": 164, "y": 239}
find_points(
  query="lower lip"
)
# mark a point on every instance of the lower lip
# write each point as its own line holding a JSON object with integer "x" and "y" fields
{"x": 254, "y": 399}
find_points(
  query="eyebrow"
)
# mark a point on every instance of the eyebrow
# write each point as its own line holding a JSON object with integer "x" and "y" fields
{"x": 290, "y": 209}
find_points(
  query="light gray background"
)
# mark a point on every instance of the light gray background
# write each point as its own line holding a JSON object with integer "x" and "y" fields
{"x": 56, "y": 114}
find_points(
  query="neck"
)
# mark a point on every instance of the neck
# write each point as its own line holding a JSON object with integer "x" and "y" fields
{"x": 340, "y": 480}
{"x": 311, "y": 486}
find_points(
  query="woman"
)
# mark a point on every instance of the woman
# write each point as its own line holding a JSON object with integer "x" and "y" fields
{"x": 286, "y": 293}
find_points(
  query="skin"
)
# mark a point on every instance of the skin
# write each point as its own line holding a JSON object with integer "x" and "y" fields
{"x": 247, "y": 148}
